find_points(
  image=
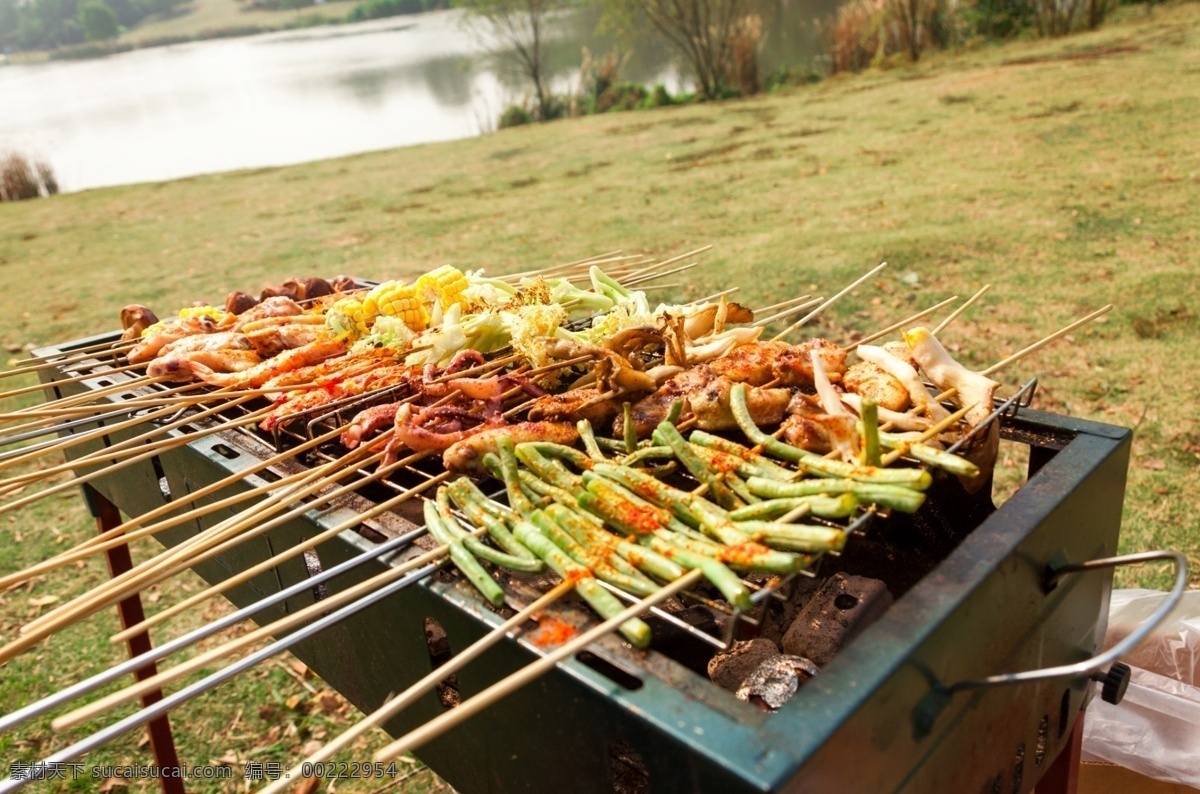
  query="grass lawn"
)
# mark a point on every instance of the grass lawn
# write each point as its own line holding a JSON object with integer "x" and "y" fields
{"x": 1063, "y": 172}
{"x": 210, "y": 15}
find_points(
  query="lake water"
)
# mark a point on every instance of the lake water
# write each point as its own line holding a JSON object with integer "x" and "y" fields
{"x": 297, "y": 96}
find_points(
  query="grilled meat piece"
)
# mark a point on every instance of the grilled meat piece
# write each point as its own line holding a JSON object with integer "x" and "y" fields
{"x": 753, "y": 364}
{"x": 213, "y": 362}
{"x": 650, "y": 411}
{"x": 171, "y": 331}
{"x": 238, "y": 302}
{"x": 793, "y": 366}
{"x": 274, "y": 339}
{"x": 711, "y": 408}
{"x": 180, "y": 368}
{"x": 342, "y": 283}
{"x": 467, "y": 454}
{"x": 901, "y": 351}
{"x": 868, "y": 380}
{"x": 222, "y": 340}
{"x": 820, "y": 432}
{"x": 269, "y": 307}
{"x": 585, "y": 403}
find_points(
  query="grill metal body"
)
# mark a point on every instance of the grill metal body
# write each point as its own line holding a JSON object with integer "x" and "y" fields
{"x": 973, "y": 607}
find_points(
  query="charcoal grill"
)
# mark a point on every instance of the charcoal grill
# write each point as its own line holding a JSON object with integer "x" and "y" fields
{"x": 972, "y": 600}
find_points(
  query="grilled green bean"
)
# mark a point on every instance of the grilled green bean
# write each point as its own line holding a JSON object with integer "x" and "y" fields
{"x": 870, "y": 432}
{"x": 641, "y": 558}
{"x": 674, "y": 411}
{"x": 721, "y": 577}
{"x": 472, "y": 502}
{"x": 795, "y": 537}
{"x": 814, "y": 463}
{"x": 647, "y": 453}
{"x": 589, "y": 440}
{"x": 631, "y": 439}
{"x": 666, "y": 433}
{"x": 605, "y": 603}
{"x": 818, "y": 505}
{"x": 529, "y": 564}
{"x": 931, "y": 456}
{"x": 571, "y": 455}
{"x": 748, "y": 462}
{"x": 739, "y": 548}
{"x": 600, "y": 567}
{"x": 895, "y": 497}
{"x": 588, "y": 534}
{"x": 463, "y": 559}
{"x": 517, "y": 499}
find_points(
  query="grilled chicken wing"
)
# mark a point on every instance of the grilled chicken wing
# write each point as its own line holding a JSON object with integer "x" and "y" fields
{"x": 820, "y": 432}
{"x": 215, "y": 362}
{"x": 868, "y": 380}
{"x": 181, "y": 368}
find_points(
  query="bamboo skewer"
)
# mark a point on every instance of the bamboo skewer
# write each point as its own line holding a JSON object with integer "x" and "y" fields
{"x": 75, "y": 379}
{"x": 345, "y": 597}
{"x": 782, "y": 304}
{"x": 501, "y": 689}
{"x": 54, "y": 407}
{"x": 148, "y": 573}
{"x": 160, "y": 398}
{"x": 955, "y": 314}
{"x": 86, "y": 478}
{"x": 1038, "y": 345}
{"x": 127, "y": 457}
{"x": 124, "y": 585}
{"x": 160, "y": 567}
{"x": 808, "y": 304}
{"x": 803, "y": 320}
{"x": 98, "y": 347}
{"x": 897, "y": 326}
{"x": 287, "y": 554}
{"x": 409, "y": 696}
{"x": 82, "y": 438}
{"x": 51, "y": 362}
{"x": 901, "y": 450}
{"x": 236, "y": 477}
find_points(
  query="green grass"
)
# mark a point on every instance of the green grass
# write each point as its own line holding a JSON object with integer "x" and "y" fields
{"x": 1065, "y": 173}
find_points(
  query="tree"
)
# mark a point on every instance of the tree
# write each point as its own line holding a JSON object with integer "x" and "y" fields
{"x": 520, "y": 26}
{"x": 98, "y": 21}
{"x": 704, "y": 33}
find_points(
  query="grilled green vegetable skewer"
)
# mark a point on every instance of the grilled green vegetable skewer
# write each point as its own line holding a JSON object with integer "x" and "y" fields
{"x": 814, "y": 463}
{"x": 462, "y": 559}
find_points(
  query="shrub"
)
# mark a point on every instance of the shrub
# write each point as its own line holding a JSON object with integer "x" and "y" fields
{"x": 98, "y": 21}
{"x": 745, "y": 37}
{"x": 658, "y": 97}
{"x": 377, "y": 9}
{"x": 514, "y": 116}
{"x": 22, "y": 179}
{"x": 866, "y": 32}
{"x": 621, "y": 96}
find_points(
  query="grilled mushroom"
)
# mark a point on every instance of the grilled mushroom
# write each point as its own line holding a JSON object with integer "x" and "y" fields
{"x": 136, "y": 318}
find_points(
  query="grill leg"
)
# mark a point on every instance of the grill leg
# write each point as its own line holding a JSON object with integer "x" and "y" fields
{"x": 1063, "y": 775}
{"x": 162, "y": 743}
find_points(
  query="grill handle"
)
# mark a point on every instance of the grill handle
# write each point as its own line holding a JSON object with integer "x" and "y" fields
{"x": 1114, "y": 679}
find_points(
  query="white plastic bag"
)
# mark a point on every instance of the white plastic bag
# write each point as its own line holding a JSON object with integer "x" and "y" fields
{"x": 1156, "y": 729}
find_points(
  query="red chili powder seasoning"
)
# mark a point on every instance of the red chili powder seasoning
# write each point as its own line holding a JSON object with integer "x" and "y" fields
{"x": 642, "y": 520}
{"x": 552, "y": 631}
